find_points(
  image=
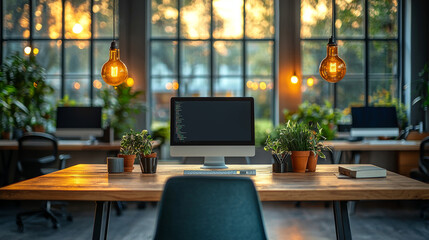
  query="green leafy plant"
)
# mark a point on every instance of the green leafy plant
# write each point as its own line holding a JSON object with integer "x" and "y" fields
{"x": 384, "y": 98}
{"x": 26, "y": 95}
{"x": 423, "y": 87}
{"x": 297, "y": 136}
{"x": 161, "y": 132}
{"x": 310, "y": 113}
{"x": 120, "y": 104}
{"x": 133, "y": 143}
{"x": 316, "y": 141}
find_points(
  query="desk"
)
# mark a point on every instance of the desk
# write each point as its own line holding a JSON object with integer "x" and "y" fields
{"x": 85, "y": 182}
{"x": 68, "y": 146}
{"x": 408, "y": 152}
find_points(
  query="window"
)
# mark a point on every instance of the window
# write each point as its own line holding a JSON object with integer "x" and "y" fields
{"x": 206, "y": 48}
{"x": 367, "y": 33}
{"x": 69, "y": 38}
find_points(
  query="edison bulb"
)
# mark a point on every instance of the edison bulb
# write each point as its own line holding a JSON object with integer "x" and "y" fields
{"x": 114, "y": 72}
{"x": 294, "y": 79}
{"x": 332, "y": 68}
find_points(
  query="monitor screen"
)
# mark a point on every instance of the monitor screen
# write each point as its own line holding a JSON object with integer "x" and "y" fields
{"x": 374, "y": 117}
{"x": 79, "y": 117}
{"x": 212, "y": 121}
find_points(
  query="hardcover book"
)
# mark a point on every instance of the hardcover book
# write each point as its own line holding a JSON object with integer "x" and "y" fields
{"x": 362, "y": 171}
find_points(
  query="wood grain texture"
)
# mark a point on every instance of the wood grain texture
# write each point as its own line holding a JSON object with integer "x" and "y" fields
{"x": 361, "y": 146}
{"x": 64, "y": 146}
{"x": 90, "y": 182}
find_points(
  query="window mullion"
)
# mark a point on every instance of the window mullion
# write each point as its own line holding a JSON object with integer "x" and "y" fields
{"x": 211, "y": 52}
{"x": 244, "y": 55}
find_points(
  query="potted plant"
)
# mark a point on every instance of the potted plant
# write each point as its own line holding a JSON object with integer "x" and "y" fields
{"x": 317, "y": 148}
{"x": 131, "y": 145}
{"x": 298, "y": 141}
{"x": 276, "y": 144}
{"x": 148, "y": 160}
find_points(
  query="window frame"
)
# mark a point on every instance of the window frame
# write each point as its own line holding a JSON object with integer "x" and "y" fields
{"x": 367, "y": 40}
{"x": 211, "y": 75}
{"x": 63, "y": 39}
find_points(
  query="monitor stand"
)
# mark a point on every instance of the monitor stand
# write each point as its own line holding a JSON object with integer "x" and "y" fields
{"x": 214, "y": 163}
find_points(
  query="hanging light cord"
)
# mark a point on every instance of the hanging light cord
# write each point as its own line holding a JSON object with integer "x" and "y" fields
{"x": 114, "y": 19}
{"x": 333, "y": 22}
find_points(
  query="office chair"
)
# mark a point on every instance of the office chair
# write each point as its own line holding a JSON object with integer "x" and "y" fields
{"x": 38, "y": 155}
{"x": 422, "y": 173}
{"x": 210, "y": 207}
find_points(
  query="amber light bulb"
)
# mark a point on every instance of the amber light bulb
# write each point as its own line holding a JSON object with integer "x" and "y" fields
{"x": 114, "y": 72}
{"x": 332, "y": 68}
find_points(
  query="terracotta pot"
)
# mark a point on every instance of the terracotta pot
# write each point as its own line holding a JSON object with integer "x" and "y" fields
{"x": 38, "y": 128}
{"x": 299, "y": 160}
{"x": 5, "y": 135}
{"x": 128, "y": 162}
{"x": 312, "y": 162}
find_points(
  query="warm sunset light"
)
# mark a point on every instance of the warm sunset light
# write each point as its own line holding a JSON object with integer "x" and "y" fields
{"x": 294, "y": 79}
{"x": 76, "y": 85}
{"x": 77, "y": 28}
{"x": 97, "y": 84}
{"x": 130, "y": 82}
{"x": 27, "y": 50}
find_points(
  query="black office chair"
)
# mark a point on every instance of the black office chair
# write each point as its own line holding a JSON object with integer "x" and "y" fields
{"x": 38, "y": 155}
{"x": 210, "y": 207}
{"x": 422, "y": 173}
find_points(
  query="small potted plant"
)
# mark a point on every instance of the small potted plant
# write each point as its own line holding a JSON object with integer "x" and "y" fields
{"x": 298, "y": 140}
{"x": 277, "y": 145}
{"x": 148, "y": 160}
{"x": 317, "y": 148}
{"x": 131, "y": 143}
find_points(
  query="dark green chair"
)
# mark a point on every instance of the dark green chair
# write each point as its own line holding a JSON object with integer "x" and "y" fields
{"x": 210, "y": 207}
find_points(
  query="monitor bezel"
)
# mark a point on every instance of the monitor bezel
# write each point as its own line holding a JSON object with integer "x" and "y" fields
{"x": 173, "y": 101}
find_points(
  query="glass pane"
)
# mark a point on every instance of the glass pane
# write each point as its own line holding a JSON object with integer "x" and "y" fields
{"x": 77, "y": 19}
{"x": 48, "y": 55}
{"x": 12, "y": 47}
{"x": 353, "y": 53}
{"x": 195, "y": 58}
{"x": 164, "y": 60}
{"x": 260, "y": 19}
{"x": 195, "y": 19}
{"x": 77, "y": 89}
{"x": 162, "y": 90}
{"x": 164, "y": 18}
{"x": 312, "y": 53}
{"x": 383, "y": 18}
{"x": 316, "y": 18}
{"x": 195, "y": 87}
{"x": 350, "y": 18}
{"x": 103, "y": 18}
{"x": 259, "y": 58}
{"x": 383, "y": 57}
{"x": 316, "y": 90}
{"x": 98, "y": 85}
{"x": 101, "y": 55}
{"x": 261, "y": 89}
{"x": 228, "y": 87}
{"x": 16, "y": 21}
{"x": 77, "y": 57}
{"x": 228, "y": 58}
{"x": 228, "y": 18}
{"x": 55, "y": 82}
{"x": 382, "y": 89}
{"x": 351, "y": 91}
{"x": 47, "y": 19}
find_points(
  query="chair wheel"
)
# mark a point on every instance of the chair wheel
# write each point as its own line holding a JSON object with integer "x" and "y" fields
{"x": 70, "y": 218}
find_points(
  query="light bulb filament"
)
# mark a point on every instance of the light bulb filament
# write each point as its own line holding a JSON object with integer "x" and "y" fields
{"x": 114, "y": 71}
{"x": 333, "y": 67}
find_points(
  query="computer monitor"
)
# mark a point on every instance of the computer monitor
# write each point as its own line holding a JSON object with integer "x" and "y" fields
{"x": 79, "y": 122}
{"x": 213, "y": 128}
{"x": 374, "y": 122}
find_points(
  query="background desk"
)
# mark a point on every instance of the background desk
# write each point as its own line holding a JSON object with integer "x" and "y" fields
{"x": 407, "y": 153}
{"x": 90, "y": 182}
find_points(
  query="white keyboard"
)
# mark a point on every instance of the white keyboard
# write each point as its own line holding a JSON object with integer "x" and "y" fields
{"x": 383, "y": 142}
{"x": 220, "y": 172}
{"x": 74, "y": 142}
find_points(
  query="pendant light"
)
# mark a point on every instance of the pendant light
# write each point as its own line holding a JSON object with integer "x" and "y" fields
{"x": 114, "y": 72}
{"x": 332, "y": 68}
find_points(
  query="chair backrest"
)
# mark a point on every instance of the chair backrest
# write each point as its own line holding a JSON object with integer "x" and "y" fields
{"x": 210, "y": 207}
{"x": 424, "y": 158}
{"x": 35, "y": 151}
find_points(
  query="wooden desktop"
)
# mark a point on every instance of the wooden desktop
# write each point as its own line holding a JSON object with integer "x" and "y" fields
{"x": 91, "y": 182}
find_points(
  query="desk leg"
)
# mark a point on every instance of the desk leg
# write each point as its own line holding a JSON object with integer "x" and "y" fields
{"x": 342, "y": 224}
{"x": 101, "y": 220}
{"x": 337, "y": 157}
